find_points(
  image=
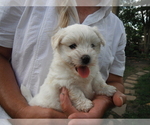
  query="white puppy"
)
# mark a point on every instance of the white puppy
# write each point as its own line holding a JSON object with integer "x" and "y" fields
{"x": 75, "y": 66}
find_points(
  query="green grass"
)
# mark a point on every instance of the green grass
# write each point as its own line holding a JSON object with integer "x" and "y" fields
{"x": 143, "y": 89}
{"x": 128, "y": 70}
{"x": 138, "y": 108}
{"x": 130, "y": 67}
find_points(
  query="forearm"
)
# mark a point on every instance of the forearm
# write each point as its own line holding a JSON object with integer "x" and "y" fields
{"x": 10, "y": 96}
{"x": 116, "y": 81}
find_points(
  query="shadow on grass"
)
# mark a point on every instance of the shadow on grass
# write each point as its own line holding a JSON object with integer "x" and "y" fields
{"x": 140, "y": 108}
{"x": 134, "y": 65}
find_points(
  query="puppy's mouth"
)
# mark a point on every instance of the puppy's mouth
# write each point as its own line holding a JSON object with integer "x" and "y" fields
{"x": 83, "y": 71}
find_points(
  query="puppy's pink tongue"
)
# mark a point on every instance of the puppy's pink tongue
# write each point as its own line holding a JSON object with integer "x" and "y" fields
{"x": 83, "y": 71}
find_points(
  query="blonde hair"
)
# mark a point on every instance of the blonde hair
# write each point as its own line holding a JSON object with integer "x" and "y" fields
{"x": 65, "y": 12}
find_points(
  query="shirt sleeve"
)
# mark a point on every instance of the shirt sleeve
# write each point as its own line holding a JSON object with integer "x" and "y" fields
{"x": 118, "y": 65}
{"x": 9, "y": 18}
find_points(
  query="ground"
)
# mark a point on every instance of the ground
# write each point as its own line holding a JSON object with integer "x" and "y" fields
{"x": 135, "y": 69}
{"x": 134, "y": 65}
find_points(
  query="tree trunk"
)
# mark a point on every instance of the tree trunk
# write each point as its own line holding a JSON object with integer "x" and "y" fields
{"x": 145, "y": 11}
{"x": 146, "y": 39}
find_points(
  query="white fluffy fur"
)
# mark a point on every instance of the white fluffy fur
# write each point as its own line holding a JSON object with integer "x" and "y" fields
{"x": 62, "y": 72}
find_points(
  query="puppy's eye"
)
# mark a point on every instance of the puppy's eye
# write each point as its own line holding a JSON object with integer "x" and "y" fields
{"x": 73, "y": 46}
{"x": 92, "y": 45}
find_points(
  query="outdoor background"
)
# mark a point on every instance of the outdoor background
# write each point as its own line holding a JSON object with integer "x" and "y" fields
{"x": 136, "y": 20}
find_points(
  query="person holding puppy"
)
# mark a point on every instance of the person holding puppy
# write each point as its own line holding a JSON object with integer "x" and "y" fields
{"x": 25, "y": 55}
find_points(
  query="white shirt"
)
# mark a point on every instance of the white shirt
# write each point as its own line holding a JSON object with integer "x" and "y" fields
{"x": 28, "y": 31}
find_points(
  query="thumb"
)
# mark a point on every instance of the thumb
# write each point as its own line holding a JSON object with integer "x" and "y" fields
{"x": 119, "y": 99}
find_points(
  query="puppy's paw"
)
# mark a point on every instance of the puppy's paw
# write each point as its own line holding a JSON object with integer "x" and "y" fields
{"x": 110, "y": 90}
{"x": 85, "y": 105}
{"x": 107, "y": 90}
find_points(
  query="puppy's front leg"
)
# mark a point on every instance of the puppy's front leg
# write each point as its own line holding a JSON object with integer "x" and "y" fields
{"x": 79, "y": 101}
{"x": 100, "y": 86}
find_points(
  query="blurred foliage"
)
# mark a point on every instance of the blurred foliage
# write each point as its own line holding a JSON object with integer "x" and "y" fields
{"x": 136, "y": 20}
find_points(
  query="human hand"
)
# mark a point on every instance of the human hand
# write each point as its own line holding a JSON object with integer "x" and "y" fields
{"x": 39, "y": 112}
{"x": 101, "y": 104}
{"x": 38, "y": 121}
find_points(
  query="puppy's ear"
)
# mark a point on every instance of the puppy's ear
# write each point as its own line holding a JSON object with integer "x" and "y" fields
{"x": 102, "y": 41}
{"x": 57, "y": 38}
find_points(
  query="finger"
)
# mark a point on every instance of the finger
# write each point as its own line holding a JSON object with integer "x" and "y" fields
{"x": 65, "y": 102}
{"x": 85, "y": 122}
{"x": 79, "y": 116}
{"x": 100, "y": 103}
{"x": 119, "y": 99}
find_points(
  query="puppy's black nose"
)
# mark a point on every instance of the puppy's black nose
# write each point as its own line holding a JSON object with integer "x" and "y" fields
{"x": 85, "y": 59}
